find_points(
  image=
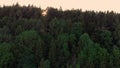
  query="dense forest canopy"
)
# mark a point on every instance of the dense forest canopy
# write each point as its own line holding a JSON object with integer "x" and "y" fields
{"x": 60, "y": 39}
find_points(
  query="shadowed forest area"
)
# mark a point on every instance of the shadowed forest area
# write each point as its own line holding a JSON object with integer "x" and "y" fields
{"x": 60, "y": 39}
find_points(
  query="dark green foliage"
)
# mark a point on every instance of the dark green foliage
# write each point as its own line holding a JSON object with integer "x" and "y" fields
{"x": 44, "y": 64}
{"x": 16, "y": 11}
{"x": 6, "y": 56}
{"x": 61, "y": 39}
{"x": 27, "y": 61}
{"x": 116, "y": 56}
{"x": 106, "y": 39}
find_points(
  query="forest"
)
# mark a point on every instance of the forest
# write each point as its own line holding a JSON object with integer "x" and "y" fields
{"x": 60, "y": 39}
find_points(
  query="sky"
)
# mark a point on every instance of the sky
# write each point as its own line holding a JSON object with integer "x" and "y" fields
{"x": 97, "y": 5}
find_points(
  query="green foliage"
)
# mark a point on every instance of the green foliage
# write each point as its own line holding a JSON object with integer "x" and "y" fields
{"x": 57, "y": 26}
{"x": 26, "y": 37}
{"x": 116, "y": 55}
{"x": 92, "y": 52}
{"x": 77, "y": 65}
{"x": 106, "y": 39}
{"x": 27, "y": 61}
{"x": 6, "y": 56}
{"x": 77, "y": 29}
{"x": 61, "y": 39}
{"x": 44, "y": 64}
{"x": 53, "y": 52}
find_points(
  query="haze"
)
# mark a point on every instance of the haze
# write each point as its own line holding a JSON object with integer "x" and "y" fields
{"x": 97, "y": 5}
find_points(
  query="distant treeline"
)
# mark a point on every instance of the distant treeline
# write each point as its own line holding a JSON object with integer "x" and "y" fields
{"x": 60, "y": 39}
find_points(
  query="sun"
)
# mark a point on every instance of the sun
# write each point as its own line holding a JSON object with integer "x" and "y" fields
{"x": 44, "y": 12}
